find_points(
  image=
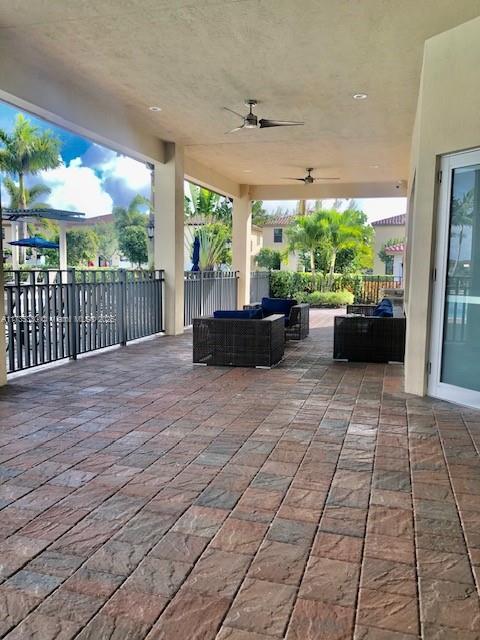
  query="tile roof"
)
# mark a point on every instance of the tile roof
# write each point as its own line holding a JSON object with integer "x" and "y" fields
{"x": 282, "y": 220}
{"x": 393, "y": 220}
{"x": 395, "y": 248}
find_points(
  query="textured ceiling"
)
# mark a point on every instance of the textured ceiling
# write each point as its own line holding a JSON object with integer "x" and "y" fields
{"x": 301, "y": 60}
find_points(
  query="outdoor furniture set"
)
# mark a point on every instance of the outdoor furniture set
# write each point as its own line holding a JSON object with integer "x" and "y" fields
{"x": 371, "y": 333}
{"x": 252, "y": 337}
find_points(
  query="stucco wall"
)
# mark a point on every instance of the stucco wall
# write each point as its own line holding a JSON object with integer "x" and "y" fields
{"x": 447, "y": 121}
{"x": 268, "y": 243}
{"x": 383, "y": 233}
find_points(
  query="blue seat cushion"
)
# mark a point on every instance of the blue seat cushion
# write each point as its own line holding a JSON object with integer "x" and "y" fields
{"x": 384, "y": 309}
{"x": 247, "y": 314}
{"x": 277, "y": 305}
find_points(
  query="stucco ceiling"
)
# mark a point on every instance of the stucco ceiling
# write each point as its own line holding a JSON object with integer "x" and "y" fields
{"x": 301, "y": 60}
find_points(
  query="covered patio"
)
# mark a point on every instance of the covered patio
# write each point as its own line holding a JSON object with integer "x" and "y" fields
{"x": 146, "y": 498}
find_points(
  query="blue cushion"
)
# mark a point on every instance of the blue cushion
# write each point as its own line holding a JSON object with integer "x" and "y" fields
{"x": 384, "y": 309}
{"x": 247, "y": 314}
{"x": 277, "y": 305}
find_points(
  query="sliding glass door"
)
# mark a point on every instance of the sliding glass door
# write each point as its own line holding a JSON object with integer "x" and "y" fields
{"x": 455, "y": 335}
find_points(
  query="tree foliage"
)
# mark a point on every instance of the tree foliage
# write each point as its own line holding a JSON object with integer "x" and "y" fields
{"x": 82, "y": 246}
{"x": 268, "y": 258}
{"x": 107, "y": 240}
{"x": 131, "y": 227}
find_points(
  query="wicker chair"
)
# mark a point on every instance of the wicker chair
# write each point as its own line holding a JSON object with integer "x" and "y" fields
{"x": 238, "y": 342}
{"x": 297, "y": 326}
{"x": 369, "y": 339}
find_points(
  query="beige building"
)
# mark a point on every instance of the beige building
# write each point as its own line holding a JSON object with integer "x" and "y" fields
{"x": 387, "y": 229}
{"x": 275, "y": 237}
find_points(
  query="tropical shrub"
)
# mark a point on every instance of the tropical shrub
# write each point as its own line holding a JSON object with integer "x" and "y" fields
{"x": 325, "y": 298}
{"x": 287, "y": 284}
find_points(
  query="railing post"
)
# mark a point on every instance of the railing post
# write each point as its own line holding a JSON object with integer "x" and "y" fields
{"x": 237, "y": 276}
{"x": 202, "y": 301}
{"x": 72, "y": 314}
{"x": 122, "y": 307}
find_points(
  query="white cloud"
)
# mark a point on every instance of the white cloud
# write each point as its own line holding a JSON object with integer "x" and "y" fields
{"x": 77, "y": 188}
{"x": 135, "y": 174}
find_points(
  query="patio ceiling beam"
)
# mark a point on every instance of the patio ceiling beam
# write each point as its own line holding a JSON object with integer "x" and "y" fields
{"x": 210, "y": 179}
{"x": 328, "y": 190}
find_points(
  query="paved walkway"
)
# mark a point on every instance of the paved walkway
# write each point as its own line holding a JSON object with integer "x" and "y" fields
{"x": 143, "y": 498}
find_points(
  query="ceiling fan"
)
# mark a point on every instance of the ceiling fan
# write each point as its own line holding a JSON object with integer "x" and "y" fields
{"x": 309, "y": 179}
{"x": 251, "y": 121}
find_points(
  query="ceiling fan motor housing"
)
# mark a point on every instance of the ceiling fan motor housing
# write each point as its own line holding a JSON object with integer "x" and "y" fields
{"x": 251, "y": 121}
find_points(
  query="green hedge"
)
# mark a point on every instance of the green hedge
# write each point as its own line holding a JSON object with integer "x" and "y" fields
{"x": 326, "y": 298}
{"x": 287, "y": 284}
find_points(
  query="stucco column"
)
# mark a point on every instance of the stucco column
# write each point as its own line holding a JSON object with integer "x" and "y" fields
{"x": 168, "y": 203}
{"x": 241, "y": 243}
{"x": 62, "y": 251}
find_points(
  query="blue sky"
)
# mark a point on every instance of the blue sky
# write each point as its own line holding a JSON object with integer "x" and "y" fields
{"x": 92, "y": 178}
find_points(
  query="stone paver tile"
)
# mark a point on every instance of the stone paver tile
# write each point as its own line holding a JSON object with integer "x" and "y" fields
{"x": 440, "y": 565}
{"x": 93, "y": 583}
{"x": 241, "y": 536}
{"x": 135, "y": 605}
{"x": 146, "y": 528}
{"x": 190, "y": 615}
{"x": 14, "y": 606}
{"x": 389, "y": 521}
{"x": 180, "y": 546}
{"x": 218, "y": 573}
{"x": 117, "y": 557}
{"x": 291, "y": 531}
{"x": 228, "y": 633}
{"x": 451, "y": 604}
{"x": 33, "y": 583}
{"x": 332, "y": 545}
{"x": 37, "y": 626}
{"x": 437, "y": 632}
{"x": 105, "y": 627}
{"x": 218, "y": 497}
{"x": 387, "y": 548}
{"x": 159, "y": 576}
{"x": 71, "y": 605}
{"x": 315, "y": 620}
{"x": 263, "y": 607}
{"x": 201, "y": 521}
{"x": 330, "y": 580}
{"x": 372, "y": 633}
{"x": 388, "y": 611}
{"x": 389, "y": 576}
{"x": 54, "y": 563}
{"x": 279, "y": 562}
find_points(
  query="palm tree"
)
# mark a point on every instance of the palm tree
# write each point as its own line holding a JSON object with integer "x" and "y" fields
{"x": 307, "y": 233}
{"x": 462, "y": 216}
{"x": 344, "y": 230}
{"x": 134, "y": 214}
{"x": 27, "y": 198}
{"x": 27, "y": 151}
{"x": 207, "y": 205}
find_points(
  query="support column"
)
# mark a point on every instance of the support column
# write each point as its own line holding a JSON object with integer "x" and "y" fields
{"x": 168, "y": 204}
{"x": 3, "y": 360}
{"x": 62, "y": 251}
{"x": 241, "y": 243}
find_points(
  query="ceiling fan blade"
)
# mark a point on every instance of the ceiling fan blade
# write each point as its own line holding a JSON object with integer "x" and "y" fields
{"x": 300, "y": 179}
{"x": 236, "y": 129}
{"x": 326, "y": 178}
{"x": 264, "y": 123}
{"x": 235, "y": 113}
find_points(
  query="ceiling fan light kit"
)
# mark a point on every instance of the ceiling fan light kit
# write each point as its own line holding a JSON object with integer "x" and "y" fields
{"x": 309, "y": 179}
{"x": 251, "y": 121}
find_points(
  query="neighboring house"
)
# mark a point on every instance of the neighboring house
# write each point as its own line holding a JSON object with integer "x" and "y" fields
{"x": 392, "y": 228}
{"x": 397, "y": 251}
{"x": 274, "y": 237}
{"x": 256, "y": 243}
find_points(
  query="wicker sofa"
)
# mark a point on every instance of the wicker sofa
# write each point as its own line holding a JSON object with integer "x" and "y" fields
{"x": 297, "y": 320}
{"x": 238, "y": 342}
{"x": 367, "y": 338}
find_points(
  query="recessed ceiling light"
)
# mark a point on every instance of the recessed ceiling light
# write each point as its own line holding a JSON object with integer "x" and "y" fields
{"x": 374, "y": 166}
{"x": 360, "y": 96}
{"x": 155, "y": 108}
{"x": 247, "y": 171}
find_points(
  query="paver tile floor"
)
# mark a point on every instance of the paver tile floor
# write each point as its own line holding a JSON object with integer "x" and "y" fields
{"x": 142, "y": 497}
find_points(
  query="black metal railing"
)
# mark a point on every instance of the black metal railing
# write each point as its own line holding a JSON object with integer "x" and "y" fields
{"x": 370, "y": 289}
{"x": 50, "y": 315}
{"x": 259, "y": 285}
{"x": 206, "y": 291}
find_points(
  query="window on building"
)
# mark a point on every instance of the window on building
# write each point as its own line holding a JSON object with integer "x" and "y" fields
{"x": 278, "y": 235}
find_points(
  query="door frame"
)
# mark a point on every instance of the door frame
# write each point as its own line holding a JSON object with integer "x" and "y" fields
{"x": 436, "y": 388}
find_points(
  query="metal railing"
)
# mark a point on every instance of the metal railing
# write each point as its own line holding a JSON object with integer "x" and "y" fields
{"x": 206, "y": 291}
{"x": 50, "y": 315}
{"x": 259, "y": 285}
{"x": 371, "y": 288}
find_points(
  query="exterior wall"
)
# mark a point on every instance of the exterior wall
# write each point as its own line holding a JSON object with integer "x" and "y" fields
{"x": 256, "y": 243}
{"x": 268, "y": 243}
{"x": 383, "y": 233}
{"x": 447, "y": 121}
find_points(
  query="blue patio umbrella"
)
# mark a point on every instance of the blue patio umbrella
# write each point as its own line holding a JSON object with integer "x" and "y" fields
{"x": 196, "y": 254}
{"x": 35, "y": 242}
